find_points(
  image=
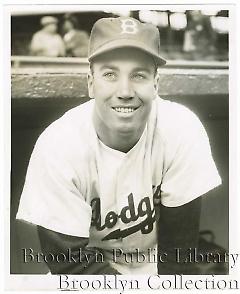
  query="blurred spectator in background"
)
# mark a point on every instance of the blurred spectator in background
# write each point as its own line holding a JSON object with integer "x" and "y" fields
{"x": 47, "y": 42}
{"x": 199, "y": 36}
{"x": 76, "y": 41}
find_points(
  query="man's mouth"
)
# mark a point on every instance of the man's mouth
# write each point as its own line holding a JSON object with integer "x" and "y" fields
{"x": 124, "y": 109}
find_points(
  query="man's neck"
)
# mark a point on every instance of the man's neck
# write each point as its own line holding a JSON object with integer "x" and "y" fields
{"x": 121, "y": 141}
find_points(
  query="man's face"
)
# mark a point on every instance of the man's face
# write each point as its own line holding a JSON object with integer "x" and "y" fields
{"x": 124, "y": 84}
{"x": 67, "y": 26}
{"x": 51, "y": 28}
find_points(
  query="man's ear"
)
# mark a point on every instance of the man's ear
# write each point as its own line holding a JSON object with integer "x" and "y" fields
{"x": 90, "y": 85}
{"x": 156, "y": 83}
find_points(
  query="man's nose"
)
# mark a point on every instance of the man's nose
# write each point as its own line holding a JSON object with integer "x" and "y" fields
{"x": 125, "y": 89}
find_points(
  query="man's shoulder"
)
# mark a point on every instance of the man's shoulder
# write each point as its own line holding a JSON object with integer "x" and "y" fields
{"x": 58, "y": 37}
{"x": 38, "y": 34}
{"x": 79, "y": 114}
{"x": 177, "y": 122}
{"x": 174, "y": 115}
{"x": 71, "y": 130}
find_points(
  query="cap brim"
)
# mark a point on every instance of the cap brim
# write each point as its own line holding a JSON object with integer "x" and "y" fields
{"x": 125, "y": 43}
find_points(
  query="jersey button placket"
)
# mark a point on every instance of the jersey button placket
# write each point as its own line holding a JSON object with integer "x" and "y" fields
{"x": 122, "y": 201}
{"x": 119, "y": 203}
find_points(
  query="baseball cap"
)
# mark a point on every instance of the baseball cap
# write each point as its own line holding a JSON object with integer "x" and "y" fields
{"x": 45, "y": 20}
{"x": 112, "y": 33}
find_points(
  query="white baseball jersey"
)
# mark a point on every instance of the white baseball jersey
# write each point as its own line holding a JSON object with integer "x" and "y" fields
{"x": 78, "y": 186}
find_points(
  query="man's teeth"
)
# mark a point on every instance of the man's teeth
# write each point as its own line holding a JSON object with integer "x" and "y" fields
{"x": 124, "y": 109}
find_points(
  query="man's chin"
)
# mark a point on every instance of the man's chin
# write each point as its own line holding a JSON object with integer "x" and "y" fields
{"x": 126, "y": 129}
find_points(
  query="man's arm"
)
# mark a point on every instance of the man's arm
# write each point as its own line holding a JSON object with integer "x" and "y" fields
{"x": 57, "y": 243}
{"x": 178, "y": 227}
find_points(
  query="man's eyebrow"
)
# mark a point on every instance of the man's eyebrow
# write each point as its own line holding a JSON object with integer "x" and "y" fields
{"x": 108, "y": 67}
{"x": 136, "y": 69}
{"x": 145, "y": 69}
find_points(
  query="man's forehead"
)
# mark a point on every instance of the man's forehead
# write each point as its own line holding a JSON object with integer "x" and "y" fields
{"x": 127, "y": 56}
{"x": 114, "y": 66}
{"x": 121, "y": 67}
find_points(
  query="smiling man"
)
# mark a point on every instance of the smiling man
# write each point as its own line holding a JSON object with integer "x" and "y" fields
{"x": 116, "y": 182}
{"x": 123, "y": 83}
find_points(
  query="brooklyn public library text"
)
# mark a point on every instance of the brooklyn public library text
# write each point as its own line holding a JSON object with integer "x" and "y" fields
{"x": 190, "y": 255}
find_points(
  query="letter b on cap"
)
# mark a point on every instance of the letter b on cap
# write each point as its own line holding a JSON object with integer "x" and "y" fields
{"x": 128, "y": 26}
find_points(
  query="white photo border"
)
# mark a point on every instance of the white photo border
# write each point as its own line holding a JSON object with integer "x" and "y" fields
{"x": 34, "y": 283}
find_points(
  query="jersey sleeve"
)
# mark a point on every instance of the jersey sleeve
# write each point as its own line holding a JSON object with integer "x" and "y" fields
{"x": 190, "y": 169}
{"x": 52, "y": 196}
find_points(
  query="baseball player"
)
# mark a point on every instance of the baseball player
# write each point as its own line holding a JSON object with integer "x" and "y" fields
{"x": 119, "y": 178}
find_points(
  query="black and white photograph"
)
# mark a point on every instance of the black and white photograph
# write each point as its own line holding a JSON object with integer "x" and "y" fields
{"x": 121, "y": 119}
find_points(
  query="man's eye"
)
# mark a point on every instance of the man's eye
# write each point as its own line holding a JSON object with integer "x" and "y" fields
{"x": 139, "y": 77}
{"x": 110, "y": 75}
